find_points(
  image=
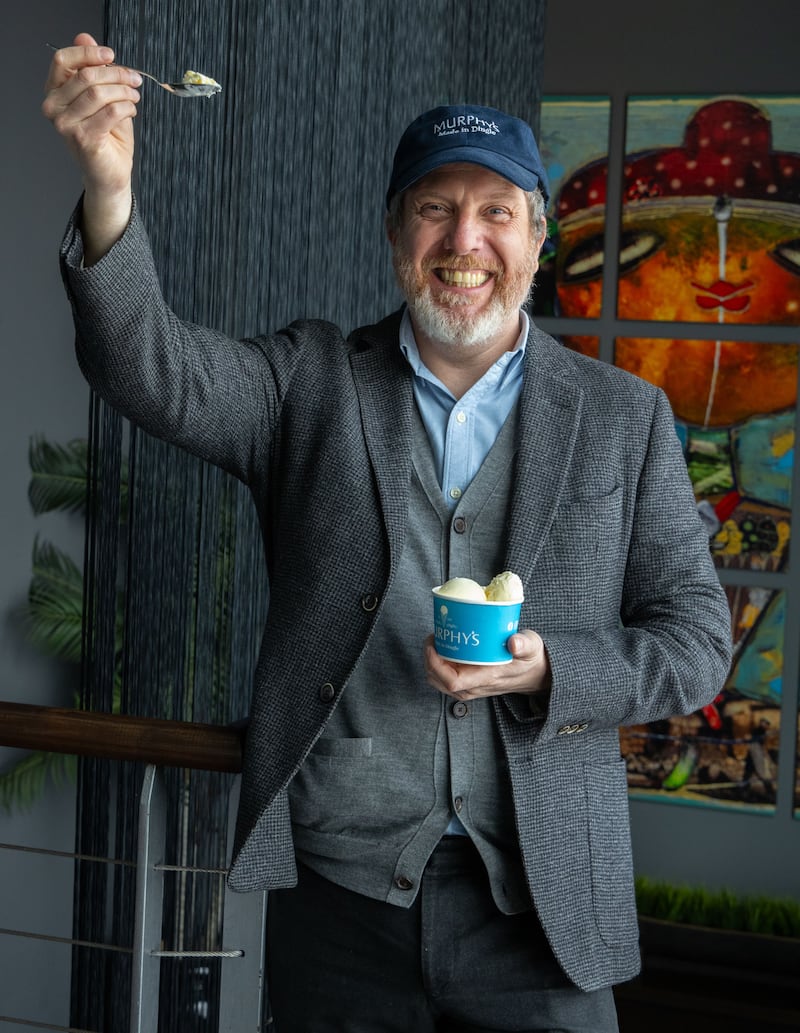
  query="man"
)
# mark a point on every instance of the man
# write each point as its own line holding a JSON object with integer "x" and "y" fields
{"x": 458, "y": 835}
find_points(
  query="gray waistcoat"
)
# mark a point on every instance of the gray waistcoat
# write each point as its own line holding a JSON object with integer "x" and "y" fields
{"x": 397, "y": 758}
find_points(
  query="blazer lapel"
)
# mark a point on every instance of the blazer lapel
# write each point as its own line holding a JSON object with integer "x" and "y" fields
{"x": 383, "y": 384}
{"x": 549, "y": 416}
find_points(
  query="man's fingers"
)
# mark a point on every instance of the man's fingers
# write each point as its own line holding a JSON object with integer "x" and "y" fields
{"x": 67, "y": 61}
{"x": 94, "y": 108}
{"x": 84, "y": 39}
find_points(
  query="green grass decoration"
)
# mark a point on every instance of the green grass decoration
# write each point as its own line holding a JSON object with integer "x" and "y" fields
{"x": 717, "y": 909}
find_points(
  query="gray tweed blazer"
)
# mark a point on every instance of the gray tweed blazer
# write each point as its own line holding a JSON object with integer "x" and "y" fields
{"x": 602, "y": 529}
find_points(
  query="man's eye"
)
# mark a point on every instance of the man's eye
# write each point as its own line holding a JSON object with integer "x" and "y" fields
{"x": 788, "y": 255}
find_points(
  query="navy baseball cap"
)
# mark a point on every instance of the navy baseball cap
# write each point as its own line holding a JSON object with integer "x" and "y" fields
{"x": 467, "y": 132}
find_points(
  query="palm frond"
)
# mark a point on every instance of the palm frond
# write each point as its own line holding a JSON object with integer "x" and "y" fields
{"x": 58, "y": 475}
{"x": 54, "y": 612}
{"x": 23, "y": 784}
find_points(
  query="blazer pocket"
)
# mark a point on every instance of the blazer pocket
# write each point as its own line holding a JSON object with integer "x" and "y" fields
{"x": 586, "y": 529}
{"x": 610, "y": 848}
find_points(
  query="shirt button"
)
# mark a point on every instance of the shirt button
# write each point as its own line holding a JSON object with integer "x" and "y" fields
{"x": 369, "y": 602}
{"x": 460, "y": 709}
{"x": 402, "y": 882}
{"x": 459, "y": 525}
{"x": 455, "y": 493}
{"x": 327, "y": 692}
{"x": 461, "y": 417}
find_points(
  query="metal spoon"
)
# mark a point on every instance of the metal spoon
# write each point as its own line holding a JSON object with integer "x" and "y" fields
{"x": 185, "y": 89}
{"x": 179, "y": 89}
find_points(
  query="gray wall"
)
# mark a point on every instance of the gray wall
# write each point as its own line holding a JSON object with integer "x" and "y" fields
{"x": 41, "y": 392}
{"x": 607, "y": 49}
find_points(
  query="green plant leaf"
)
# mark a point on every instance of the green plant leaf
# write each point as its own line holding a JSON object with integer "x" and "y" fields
{"x": 54, "y": 612}
{"x": 23, "y": 784}
{"x": 58, "y": 475}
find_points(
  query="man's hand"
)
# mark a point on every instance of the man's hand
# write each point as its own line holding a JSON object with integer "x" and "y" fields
{"x": 92, "y": 104}
{"x": 528, "y": 672}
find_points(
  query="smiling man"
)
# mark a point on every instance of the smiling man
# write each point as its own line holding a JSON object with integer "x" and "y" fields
{"x": 466, "y": 223}
{"x": 446, "y": 845}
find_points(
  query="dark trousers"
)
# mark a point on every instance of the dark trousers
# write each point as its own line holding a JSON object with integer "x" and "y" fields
{"x": 339, "y": 962}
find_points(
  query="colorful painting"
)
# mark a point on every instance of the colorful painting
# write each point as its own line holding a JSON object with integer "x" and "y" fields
{"x": 709, "y": 236}
{"x": 735, "y": 411}
{"x": 711, "y": 211}
{"x": 710, "y": 229}
{"x": 726, "y": 754}
{"x": 573, "y": 133}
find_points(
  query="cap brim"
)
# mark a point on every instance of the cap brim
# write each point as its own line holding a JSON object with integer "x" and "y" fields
{"x": 517, "y": 174}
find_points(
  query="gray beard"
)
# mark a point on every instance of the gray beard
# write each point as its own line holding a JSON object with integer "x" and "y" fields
{"x": 454, "y": 326}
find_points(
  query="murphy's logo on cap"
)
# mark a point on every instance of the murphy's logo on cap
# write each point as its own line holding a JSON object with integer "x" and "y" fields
{"x": 465, "y": 124}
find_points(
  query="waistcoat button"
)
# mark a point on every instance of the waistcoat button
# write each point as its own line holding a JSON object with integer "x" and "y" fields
{"x": 327, "y": 692}
{"x": 460, "y": 709}
{"x": 402, "y": 882}
{"x": 459, "y": 525}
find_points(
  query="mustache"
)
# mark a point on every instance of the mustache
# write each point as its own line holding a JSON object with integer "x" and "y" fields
{"x": 463, "y": 263}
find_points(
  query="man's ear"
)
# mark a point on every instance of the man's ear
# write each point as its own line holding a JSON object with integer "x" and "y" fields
{"x": 542, "y": 233}
{"x": 391, "y": 233}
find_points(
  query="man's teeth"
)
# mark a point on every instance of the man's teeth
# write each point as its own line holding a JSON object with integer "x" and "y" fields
{"x": 463, "y": 277}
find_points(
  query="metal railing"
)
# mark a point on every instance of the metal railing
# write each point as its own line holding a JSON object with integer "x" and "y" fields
{"x": 157, "y": 744}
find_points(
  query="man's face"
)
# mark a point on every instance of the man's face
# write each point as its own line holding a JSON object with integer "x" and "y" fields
{"x": 465, "y": 254}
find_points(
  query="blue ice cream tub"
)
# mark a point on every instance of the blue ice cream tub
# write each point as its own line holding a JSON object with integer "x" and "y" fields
{"x": 468, "y": 632}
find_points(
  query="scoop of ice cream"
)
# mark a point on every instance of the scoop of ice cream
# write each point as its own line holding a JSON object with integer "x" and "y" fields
{"x": 191, "y": 78}
{"x": 462, "y": 588}
{"x": 504, "y": 588}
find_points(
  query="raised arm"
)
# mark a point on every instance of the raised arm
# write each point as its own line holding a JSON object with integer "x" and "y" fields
{"x": 92, "y": 104}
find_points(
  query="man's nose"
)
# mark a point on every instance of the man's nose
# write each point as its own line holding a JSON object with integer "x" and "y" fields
{"x": 464, "y": 233}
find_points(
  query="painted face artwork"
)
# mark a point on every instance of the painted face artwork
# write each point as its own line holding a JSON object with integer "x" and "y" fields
{"x": 710, "y": 233}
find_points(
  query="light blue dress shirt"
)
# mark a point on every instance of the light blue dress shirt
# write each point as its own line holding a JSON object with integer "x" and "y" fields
{"x": 461, "y": 431}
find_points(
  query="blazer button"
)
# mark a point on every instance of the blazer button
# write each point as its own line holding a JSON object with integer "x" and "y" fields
{"x": 369, "y": 602}
{"x": 571, "y": 729}
{"x": 327, "y": 692}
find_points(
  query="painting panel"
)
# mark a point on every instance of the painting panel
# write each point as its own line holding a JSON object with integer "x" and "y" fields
{"x": 710, "y": 210}
{"x": 573, "y": 133}
{"x": 726, "y": 754}
{"x": 735, "y": 406}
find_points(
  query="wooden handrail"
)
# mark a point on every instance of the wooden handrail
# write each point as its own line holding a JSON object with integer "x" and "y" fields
{"x": 179, "y": 744}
